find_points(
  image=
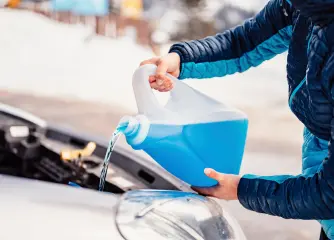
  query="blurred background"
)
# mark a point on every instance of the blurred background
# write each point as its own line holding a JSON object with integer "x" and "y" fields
{"x": 71, "y": 62}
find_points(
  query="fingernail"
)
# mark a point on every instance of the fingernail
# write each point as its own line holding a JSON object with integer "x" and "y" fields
{"x": 160, "y": 82}
{"x": 207, "y": 171}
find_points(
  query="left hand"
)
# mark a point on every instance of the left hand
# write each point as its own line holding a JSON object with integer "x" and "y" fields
{"x": 226, "y": 189}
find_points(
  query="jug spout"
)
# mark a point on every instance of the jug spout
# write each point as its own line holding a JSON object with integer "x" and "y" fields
{"x": 136, "y": 129}
{"x": 129, "y": 125}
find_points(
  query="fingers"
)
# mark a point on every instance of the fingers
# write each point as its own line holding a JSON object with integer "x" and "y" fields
{"x": 155, "y": 86}
{"x": 227, "y": 187}
{"x": 162, "y": 79}
{"x": 169, "y": 84}
{"x": 205, "y": 191}
{"x": 159, "y": 81}
{"x": 214, "y": 174}
{"x": 152, "y": 79}
{"x": 210, "y": 191}
{"x": 161, "y": 69}
{"x": 150, "y": 61}
{"x": 162, "y": 85}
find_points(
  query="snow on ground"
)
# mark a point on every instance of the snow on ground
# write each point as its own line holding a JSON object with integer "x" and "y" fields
{"x": 49, "y": 58}
{"x": 41, "y": 56}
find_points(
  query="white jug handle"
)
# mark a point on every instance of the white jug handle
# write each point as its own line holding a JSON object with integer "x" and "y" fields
{"x": 147, "y": 102}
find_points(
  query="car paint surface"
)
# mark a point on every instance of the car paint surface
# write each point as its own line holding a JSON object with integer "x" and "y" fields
{"x": 31, "y": 209}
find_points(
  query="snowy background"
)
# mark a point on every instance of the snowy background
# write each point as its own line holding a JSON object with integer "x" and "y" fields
{"x": 41, "y": 57}
{"x": 53, "y": 59}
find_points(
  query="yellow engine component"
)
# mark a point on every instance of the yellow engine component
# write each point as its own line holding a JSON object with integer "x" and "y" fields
{"x": 69, "y": 155}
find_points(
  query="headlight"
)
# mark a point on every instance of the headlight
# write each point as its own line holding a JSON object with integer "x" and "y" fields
{"x": 154, "y": 214}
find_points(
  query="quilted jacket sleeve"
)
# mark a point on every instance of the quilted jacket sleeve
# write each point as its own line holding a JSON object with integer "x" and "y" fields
{"x": 303, "y": 196}
{"x": 318, "y": 10}
{"x": 258, "y": 39}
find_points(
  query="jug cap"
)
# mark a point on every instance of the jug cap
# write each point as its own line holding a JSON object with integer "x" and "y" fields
{"x": 137, "y": 128}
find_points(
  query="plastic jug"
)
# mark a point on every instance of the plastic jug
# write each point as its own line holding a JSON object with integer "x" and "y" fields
{"x": 190, "y": 133}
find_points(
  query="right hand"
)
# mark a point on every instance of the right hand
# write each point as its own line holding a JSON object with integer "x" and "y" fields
{"x": 166, "y": 64}
{"x": 226, "y": 189}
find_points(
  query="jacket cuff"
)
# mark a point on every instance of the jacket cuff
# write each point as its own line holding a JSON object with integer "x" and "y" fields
{"x": 243, "y": 192}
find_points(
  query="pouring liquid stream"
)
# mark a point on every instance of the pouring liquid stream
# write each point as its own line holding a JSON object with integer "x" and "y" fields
{"x": 119, "y": 130}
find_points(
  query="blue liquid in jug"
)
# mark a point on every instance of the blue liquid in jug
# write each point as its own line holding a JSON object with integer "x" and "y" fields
{"x": 185, "y": 151}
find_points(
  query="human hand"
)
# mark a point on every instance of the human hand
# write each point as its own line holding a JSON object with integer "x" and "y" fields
{"x": 166, "y": 64}
{"x": 226, "y": 189}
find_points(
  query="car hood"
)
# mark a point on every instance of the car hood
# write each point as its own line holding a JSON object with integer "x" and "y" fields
{"x": 36, "y": 210}
{"x": 162, "y": 214}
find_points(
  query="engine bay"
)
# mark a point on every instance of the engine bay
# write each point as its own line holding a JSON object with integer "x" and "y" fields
{"x": 53, "y": 155}
{"x": 36, "y": 150}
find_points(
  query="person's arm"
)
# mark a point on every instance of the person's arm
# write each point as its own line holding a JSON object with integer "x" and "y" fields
{"x": 300, "y": 197}
{"x": 258, "y": 39}
{"x": 319, "y": 11}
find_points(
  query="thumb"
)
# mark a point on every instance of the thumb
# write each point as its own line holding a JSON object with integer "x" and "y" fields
{"x": 162, "y": 69}
{"x": 213, "y": 174}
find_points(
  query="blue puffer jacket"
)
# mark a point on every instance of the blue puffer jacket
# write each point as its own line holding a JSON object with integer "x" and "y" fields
{"x": 305, "y": 29}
